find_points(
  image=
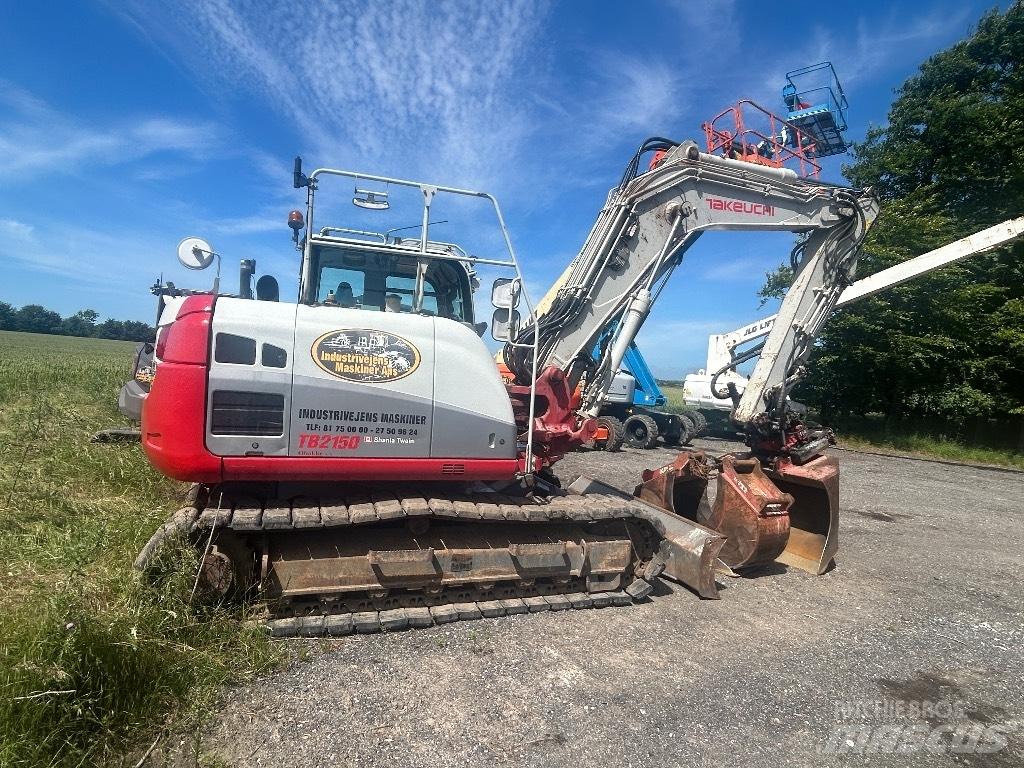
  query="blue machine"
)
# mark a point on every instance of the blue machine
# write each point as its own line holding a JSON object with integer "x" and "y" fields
{"x": 647, "y": 393}
{"x": 817, "y": 106}
{"x": 632, "y": 413}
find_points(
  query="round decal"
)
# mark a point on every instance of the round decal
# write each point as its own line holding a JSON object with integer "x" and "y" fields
{"x": 365, "y": 355}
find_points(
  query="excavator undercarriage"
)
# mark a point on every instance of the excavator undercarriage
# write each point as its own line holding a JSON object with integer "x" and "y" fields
{"x": 408, "y": 557}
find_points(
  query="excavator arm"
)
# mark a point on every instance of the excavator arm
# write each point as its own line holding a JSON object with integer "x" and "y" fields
{"x": 784, "y": 505}
{"x": 823, "y": 264}
{"x": 641, "y": 235}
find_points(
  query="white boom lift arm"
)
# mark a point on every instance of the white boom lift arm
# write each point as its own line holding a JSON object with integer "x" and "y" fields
{"x": 722, "y": 346}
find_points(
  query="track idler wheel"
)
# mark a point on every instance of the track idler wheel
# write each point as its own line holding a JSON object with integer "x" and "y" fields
{"x": 228, "y": 568}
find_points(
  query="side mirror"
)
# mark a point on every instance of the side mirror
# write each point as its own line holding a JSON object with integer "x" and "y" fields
{"x": 504, "y": 324}
{"x": 505, "y": 293}
{"x": 195, "y": 253}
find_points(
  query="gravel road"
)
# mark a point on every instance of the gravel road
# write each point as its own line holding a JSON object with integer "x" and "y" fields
{"x": 925, "y": 605}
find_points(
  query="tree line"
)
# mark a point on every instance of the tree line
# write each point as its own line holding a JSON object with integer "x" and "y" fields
{"x": 34, "y": 318}
{"x": 948, "y": 346}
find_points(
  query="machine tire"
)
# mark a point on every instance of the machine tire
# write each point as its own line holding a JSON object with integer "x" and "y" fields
{"x": 616, "y": 434}
{"x": 688, "y": 431}
{"x": 700, "y": 422}
{"x": 641, "y": 431}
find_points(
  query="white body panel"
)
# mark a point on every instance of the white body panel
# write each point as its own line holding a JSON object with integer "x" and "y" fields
{"x": 269, "y": 323}
{"x": 360, "y": 384}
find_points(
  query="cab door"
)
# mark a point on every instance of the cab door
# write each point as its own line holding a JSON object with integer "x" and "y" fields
{"x": 362, "y": 383}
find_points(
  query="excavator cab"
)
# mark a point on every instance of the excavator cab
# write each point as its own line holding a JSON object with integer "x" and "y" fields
{"x": 362, "y": 277}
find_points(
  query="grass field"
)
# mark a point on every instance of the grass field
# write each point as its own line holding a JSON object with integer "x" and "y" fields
{"x": 674, "y": 396}
{"x": 92, "y": 664}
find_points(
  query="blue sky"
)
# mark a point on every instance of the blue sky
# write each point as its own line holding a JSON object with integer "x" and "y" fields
{"x": 126, "y": 126}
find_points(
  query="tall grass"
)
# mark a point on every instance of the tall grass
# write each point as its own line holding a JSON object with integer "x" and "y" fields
{"x": 875, "y": 434}
{"x": 92, "y": 663}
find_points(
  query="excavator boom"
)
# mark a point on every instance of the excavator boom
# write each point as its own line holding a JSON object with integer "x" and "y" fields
{"x": 642, "y": 234}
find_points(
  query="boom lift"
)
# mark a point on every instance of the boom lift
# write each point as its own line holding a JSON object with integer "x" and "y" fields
{"x": 704, "y": 389}
{"x": 633, "y": 410}
{"x": 365, "y": 469}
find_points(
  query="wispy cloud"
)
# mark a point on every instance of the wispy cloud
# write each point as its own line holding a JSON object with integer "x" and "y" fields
{"x": 90, "y": 255}
{"x": 459, "y": 91}
{"x": 634, "y": 91}
{"x": 400, "y": 86}
{"x": 16, "y": 230}
{"x": 37, "y": 138}
{"x": 269, "y": 220}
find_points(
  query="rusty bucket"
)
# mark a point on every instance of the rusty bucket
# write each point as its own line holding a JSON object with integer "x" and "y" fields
{"x": 678, "y": 487}
{"x": 787, "y": 513}
{"x": 751, "y": 512}
{"x": 814, "y": 513}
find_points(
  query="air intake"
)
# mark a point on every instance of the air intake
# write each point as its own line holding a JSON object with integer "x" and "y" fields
{"x": 453, "y": 469}
{"x": 247, "y": 413}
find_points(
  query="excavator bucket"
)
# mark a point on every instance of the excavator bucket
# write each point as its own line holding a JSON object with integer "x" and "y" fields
{"x": 751, "y": 512}
{"x": 748, "y": 510}
{"x": 678, "y": 487}
{"x": 814, "y": 513}
{"x": 787, "y": 514}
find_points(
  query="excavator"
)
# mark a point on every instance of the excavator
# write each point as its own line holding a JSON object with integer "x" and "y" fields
{"x": 359, "y": 463}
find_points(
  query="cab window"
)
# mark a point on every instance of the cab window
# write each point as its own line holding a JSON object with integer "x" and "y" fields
{"x": 386, "y": 282}
{"x": 405, "y": 289}
{"x": 341, "y": 285}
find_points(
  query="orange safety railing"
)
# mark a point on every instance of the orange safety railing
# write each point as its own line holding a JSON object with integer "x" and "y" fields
{"x": 775, "y": 142}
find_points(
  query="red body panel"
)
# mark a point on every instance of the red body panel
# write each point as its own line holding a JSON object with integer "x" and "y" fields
{"x": 314, "y": 468}
{"x": 174, "y": 424}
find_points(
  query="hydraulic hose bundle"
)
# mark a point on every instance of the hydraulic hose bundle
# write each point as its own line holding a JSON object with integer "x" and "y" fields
{"x": 571, "y": 300}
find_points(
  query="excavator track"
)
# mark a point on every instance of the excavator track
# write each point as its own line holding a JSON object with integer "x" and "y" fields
{"x": 407, "y": 557}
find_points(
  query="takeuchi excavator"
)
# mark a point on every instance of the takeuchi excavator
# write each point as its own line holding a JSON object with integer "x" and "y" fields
{"x": 360, "y": 464}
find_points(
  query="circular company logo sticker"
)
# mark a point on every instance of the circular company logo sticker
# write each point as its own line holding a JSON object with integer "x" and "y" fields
{"x": 365, "y": 355}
